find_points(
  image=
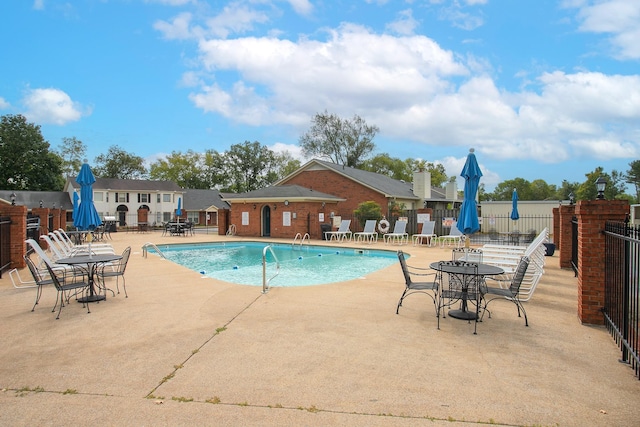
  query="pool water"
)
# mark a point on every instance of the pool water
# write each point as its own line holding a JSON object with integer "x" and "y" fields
{"x": 299, "y": 266}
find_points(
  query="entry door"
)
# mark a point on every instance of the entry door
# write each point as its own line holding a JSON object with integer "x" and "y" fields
{"x": 266, "y": 221}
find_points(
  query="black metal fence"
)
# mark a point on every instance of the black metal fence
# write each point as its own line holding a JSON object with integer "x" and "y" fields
{"x": 574, "y": 245}
{"x": 5, "y": 244}
{"x": 622, "y": 289}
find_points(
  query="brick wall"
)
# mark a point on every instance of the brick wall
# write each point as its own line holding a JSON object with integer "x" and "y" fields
{"x": 564, "y": 236}
{"x": 335, "y": 184}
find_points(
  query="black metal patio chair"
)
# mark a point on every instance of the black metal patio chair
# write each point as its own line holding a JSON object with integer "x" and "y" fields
{"x": 427, "y": 284}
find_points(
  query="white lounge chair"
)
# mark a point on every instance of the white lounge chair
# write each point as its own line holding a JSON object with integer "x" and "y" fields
{"x": 342, "y": 233}
{"x": 369, "y": 232}
{"x": 455, "y": 236}
{"x": 428, "y": 233}
{"x": 399, "y": 234}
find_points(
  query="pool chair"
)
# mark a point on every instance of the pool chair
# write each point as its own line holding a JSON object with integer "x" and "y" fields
{"x": 455, "y": 236}
{"x": 342, "y": 233}
{"x": 369, "y": 232}
{"x": 115, "y": 269}
{"x": 398, "y": 235}
{"x": 427, "y": 233}
{"x": 511, "y": 294}
{"x": 67, "y": 289}
{"x": 427, "y": 282}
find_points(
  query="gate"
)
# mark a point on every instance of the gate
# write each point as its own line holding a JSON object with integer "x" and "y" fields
{"x": 622, "y": 293}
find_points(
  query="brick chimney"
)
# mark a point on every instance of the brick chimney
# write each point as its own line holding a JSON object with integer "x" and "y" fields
{"x": 422, "y": 184}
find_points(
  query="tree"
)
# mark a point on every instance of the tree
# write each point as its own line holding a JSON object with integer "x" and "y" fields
{"x": 249, "y": 166}
{"x": 367, "y": 210}
{"x": 27, "y": 163}
{"x": 344, "y": 142}
{"x": 633, "y": 177}
{"x": 614, "y": 189}
{"x": 73, "y": 152}
{"x": 183, "y": 169}
{"x": 403, "y": 169}
{"x": 117, "y": 163}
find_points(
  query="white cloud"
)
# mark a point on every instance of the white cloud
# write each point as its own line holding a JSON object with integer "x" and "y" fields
{"x": 51, "y": 106}
{"x": 302, "y": 7}
{"x": 405, "y": 24}
{"x": 38, "y": 4}
{"x": 620, "y": 18}
{"x": 4, "y": 104}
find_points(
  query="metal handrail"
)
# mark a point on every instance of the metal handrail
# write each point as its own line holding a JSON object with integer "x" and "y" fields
{"x": 265, "y": 282}
{"x": 302, "y": 239}
{"x": 145, "y": 250}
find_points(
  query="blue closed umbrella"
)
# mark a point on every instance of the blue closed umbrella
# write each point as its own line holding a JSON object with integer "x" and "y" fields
{"x": 179, "y": 210}
{"x": 76, "y": 200}
{"x": 468, "y": 220}
{"x": 87, "y": 217}
{"x": 514, "y": 206}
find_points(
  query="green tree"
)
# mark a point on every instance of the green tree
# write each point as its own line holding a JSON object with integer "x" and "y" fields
{"x": 403, "y": 169}
{"x": 614, "y": 190}
{"x": 249, "y": 166}
{"x": 73, "y": 152}
{"x": 26, "y": 159}
{"x": 367, "y": 210}
{"x": 183, "y": 169}
{"x": 117, "y": 163}
{"x": 633, "y": 177}
{"x": 343, "y": 141}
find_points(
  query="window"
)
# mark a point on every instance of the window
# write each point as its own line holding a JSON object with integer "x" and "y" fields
{"x": 122, "y": 197}
{"x": 98, "y": 196}
{"x": 194, "y": 217}
{"x": 158, "y": 198}
{"x": 144, "y": 198}
{"x": 166, "y": 216}
{"x": 166, "y": 198}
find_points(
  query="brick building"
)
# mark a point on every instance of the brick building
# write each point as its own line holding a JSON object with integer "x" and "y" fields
{"x": 322, "y": 192}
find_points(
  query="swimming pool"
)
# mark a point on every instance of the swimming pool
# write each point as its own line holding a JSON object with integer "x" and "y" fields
{"x": 241, "y": 262}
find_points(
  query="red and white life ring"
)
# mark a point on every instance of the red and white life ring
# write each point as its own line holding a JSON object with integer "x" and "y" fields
{"x": 383, "y": 226}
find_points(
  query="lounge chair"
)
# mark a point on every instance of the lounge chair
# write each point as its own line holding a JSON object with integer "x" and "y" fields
{"x": 45, "y": 259}
{"x": 428, "y": 233}
{"x": 342, "y": 233}
{"x": 455, "y": 236}
{"x": 369, "y": 232}
{"x": 399, "y": 234}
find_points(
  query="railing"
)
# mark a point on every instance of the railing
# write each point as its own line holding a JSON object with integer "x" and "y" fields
{"x": 145, "y": 249}
{"x": 265, "y": 282}
{"x": 622, "y": 289}
{"x": 574, "y": 245}
{"x": 302, "y": 239}
{"x": 5, "y": 244}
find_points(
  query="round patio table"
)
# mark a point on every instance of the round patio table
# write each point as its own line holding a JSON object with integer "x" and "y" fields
{"x": 90, "y": 261}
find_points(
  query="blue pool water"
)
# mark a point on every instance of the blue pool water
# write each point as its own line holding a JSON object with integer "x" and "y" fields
{"x": 310, "y": 265}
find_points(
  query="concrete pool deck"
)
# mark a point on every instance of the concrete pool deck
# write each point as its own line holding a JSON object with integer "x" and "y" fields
{"x": 183, "y": 350}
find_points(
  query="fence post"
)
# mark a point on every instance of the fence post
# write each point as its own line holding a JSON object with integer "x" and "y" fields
{"x": 592, "y": 216}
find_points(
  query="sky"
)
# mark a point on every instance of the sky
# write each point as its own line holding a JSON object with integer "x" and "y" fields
{"x": 540, "y": 89}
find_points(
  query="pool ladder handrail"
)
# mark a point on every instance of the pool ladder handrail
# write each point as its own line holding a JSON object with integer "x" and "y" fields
{"x": 302, "y": 239}
{"x": 145, "y": 249}
{"x": 265, "y": 282}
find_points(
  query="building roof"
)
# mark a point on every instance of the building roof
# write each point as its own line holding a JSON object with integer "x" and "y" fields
{"x": 114, "y": 184}
{"x": 31, "y": 199}
{"x": 293, "y": 193}
{"x": 203, "y": 200}
{"x": 381, "y": 183}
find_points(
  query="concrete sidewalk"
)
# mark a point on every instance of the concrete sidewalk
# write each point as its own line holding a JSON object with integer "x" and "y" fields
{"x": 183, "y": 350}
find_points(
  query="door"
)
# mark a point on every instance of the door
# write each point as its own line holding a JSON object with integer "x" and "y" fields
{"x": 266, "y": 221}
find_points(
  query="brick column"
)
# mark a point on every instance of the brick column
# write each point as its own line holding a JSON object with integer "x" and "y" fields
{"x": 564, "y": 236}
{"x": 43, "y": 214}
{"x": 18, "y": 233}
{"x": 592, "y": 215}
{"x": 223, "y": 221}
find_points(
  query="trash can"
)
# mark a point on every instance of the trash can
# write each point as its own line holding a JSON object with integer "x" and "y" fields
{"x": 324, "y": 228}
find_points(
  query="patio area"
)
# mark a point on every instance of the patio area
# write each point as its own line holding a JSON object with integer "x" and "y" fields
{"x": 183, "y": 350}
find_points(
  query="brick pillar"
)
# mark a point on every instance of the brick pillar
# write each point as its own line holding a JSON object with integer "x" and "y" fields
{"x": 223, "y": 221}
{"x": 592, "y": 215}
{"x": 18, "y": 233}
{"x": 43, "y": 214}
{"x": 564, "y": 236}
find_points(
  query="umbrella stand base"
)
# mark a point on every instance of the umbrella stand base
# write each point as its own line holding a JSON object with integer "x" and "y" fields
{"x": 463, "y": 314}
{"x": 92, "y": 298}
